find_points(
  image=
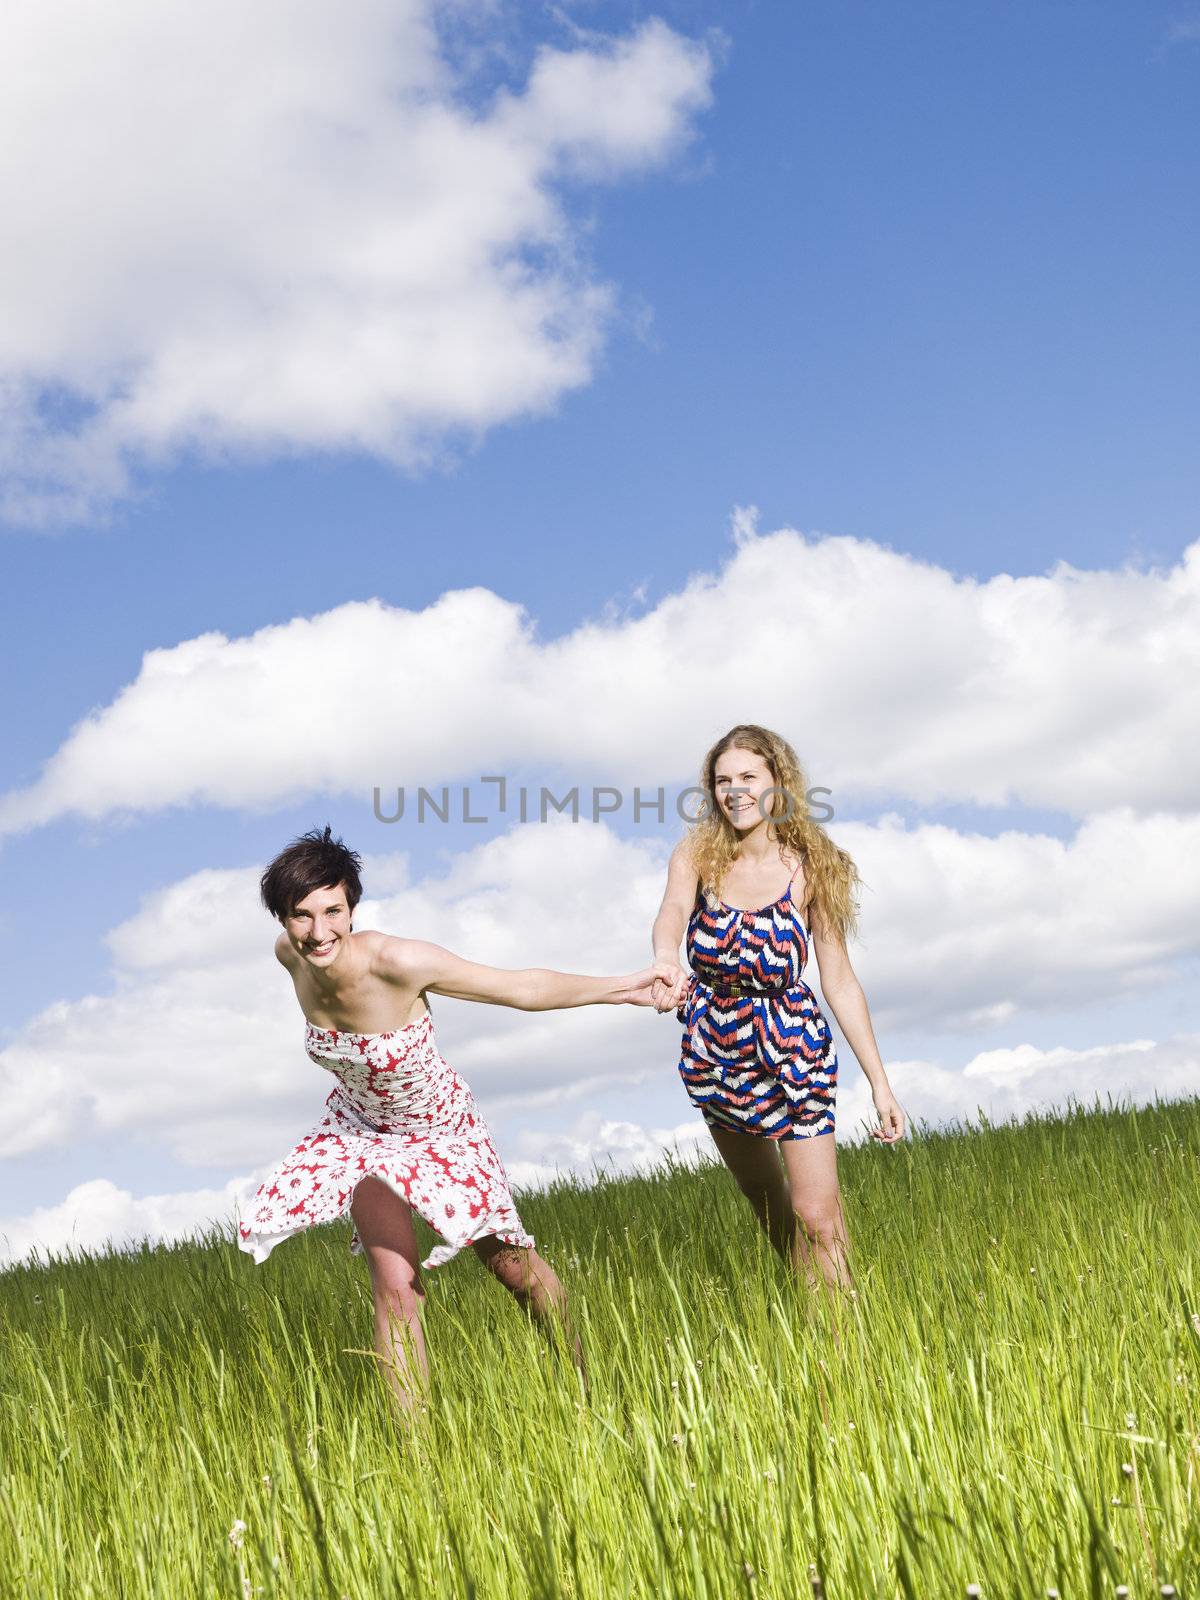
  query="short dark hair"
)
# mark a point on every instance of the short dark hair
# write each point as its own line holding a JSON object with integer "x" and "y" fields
{"x": 313, "y": 861}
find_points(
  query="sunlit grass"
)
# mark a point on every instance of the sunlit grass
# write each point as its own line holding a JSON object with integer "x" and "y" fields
{"x": 1013, "y": 1400}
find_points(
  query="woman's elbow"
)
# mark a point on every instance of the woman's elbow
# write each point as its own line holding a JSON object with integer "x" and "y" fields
{"x": 518, "y": 987}
{"x": 528, "y": 991}
{"x": 840, "y": 987}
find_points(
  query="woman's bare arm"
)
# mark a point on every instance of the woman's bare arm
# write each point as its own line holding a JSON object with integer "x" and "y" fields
{"x": 670, "y": 924}
{"x": 669, "y": 927}
{"x": 845, "y": 997}
{"x": 419, "y": 965}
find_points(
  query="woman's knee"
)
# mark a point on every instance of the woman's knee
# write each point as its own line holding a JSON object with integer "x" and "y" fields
{"x": 398, "y": 1293}
{"x": 821, "y": 1223}
{"x": 767, "y": 1194}
{"x": 525, "y": 1275}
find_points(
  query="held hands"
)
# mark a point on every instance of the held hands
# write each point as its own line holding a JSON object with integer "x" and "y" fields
{"x": 671, "y": 988}
{"x": 654, "y": 986}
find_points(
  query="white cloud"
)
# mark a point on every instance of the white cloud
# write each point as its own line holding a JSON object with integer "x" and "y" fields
{"x": 286, "y": 227}
{"x": 596, "y": 1145}
{"x": 964, "y": 931}
{"x": 199, "y": 1045}
{"x": 1002, "y": 1084}
{"x": 98, "y": 1215}
{"x": 1076, "y": 690}
{"x": 1009, "y": 1083}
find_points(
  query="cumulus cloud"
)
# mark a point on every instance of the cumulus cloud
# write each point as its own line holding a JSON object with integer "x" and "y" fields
{"x": 1076, "y": 690}
{"x": 1000, "y": 1084}
{"x": 596, "y": 1145}
{"x": 98, "y": 1215}
{"x": 1010, "y": 1082}
{"x": 101, "y": 1215}
{"x": 964, "y": 931}
{"x": 288, "y": 227}
{"x": 199, "y": 1045}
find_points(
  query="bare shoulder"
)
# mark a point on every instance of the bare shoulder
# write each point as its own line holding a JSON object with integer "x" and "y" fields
{"x": 409, "y": 963}
{"x": 284, "y": 953}
{"x": 388, "y": 955}
{"x": 682, "y": 876}
{"x": 683, "y": 850}
{"x": 418, "y": 965}
{"x": 682, "y": 865}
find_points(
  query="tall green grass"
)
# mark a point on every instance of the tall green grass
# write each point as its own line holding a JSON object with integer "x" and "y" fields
{"x": 1013, "y": 1400}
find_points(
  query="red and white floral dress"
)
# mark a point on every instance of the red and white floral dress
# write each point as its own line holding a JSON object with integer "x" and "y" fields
{"x": 398, "y": 1112}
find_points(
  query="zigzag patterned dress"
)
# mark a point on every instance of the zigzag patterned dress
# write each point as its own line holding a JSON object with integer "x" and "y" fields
{"x": 757, "y": 1056}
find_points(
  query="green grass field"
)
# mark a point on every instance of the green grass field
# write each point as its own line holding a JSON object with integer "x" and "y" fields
{"x": 1014, "y": 1401}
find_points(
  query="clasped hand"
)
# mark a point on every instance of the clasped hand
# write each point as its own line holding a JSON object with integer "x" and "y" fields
{"x": 670, "y": 986}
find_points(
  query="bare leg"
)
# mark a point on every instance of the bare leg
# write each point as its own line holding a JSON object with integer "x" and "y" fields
{"x": 385, "y": 1227}
{"x": 534, "y": 1285}
{"x": 760, "y": 1176}
{"x": 811, "y": 1166}
{"x": 792, "y": 1186}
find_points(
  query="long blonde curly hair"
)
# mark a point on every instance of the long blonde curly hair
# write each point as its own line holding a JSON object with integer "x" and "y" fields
{"x": 713, "y": 842}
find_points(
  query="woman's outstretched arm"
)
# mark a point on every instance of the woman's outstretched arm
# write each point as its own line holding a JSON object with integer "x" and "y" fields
{"x": 418, "y": 965}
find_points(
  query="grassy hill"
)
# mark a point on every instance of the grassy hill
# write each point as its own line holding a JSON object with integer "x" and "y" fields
{"x": 1014, "y": 1402}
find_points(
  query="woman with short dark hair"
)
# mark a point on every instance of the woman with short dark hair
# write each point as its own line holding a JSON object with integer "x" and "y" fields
{"x": 401, "y": 1132}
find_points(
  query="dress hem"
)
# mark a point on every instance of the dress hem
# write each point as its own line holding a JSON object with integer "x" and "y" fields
{"x": 259, "y": 1244}
{"x": 791, "y": 1137}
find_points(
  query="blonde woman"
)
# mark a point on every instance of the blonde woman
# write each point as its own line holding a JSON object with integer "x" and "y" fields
{"x": 756, "y": 885}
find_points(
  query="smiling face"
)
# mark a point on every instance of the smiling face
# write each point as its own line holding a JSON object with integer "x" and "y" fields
{"x": 740, "y": 779}
{"x": 319, "y": 926}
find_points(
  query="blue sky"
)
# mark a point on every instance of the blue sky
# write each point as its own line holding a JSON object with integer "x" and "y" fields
{"x": 922, "y": 276}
